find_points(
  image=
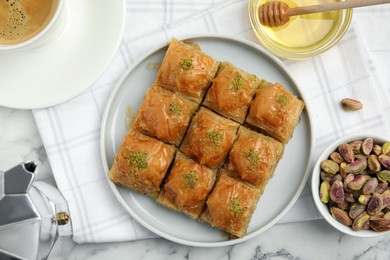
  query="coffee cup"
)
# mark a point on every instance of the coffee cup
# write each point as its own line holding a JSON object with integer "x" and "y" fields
{"x": 28, "y": 23}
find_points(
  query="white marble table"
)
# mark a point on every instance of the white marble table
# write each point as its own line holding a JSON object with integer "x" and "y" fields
{"x": 20, "y": 141}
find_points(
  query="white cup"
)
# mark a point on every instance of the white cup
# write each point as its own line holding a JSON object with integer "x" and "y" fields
{"x": 50, "y": 32}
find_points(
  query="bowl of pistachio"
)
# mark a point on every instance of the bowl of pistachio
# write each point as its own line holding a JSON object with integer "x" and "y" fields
{"x": 350, "y": 185}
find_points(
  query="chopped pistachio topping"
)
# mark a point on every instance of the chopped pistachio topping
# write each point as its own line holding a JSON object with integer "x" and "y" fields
{"x": 175, "y": 108}
{"x": 215, "y": 136}
{"x": 186, "y": 63}
{"x": 236, "y": 83}
{"x": 283, "y": 99}
{"x": 236, "y": 208}
{"x": 190, "y": 178}
{"x": 253, "y": 158}
{"x": 263, "y": 83}
{"x": 139, "y": 160}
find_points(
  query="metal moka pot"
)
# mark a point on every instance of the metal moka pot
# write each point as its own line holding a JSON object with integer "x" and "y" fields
{"x": 24, "y": 233}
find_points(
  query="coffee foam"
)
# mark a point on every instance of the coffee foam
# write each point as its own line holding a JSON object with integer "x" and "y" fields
{"x": 23, "y": 19}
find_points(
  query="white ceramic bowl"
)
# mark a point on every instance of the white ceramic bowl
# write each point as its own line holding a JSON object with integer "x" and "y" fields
{"x": 316, "y": 180}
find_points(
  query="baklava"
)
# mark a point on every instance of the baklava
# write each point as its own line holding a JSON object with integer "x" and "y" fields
{"x": 231, "y": 204}
{"x": 164, "y": 115}
{"x": 187, "y": 186}
{"x": 187, "y": 70}
{"x": 254, "y": 157}
{"x": 231, "y": 92}
{"x": 275, "y": 111}
{"x": 141, "y": 163}
{"x": 209, "y": 138}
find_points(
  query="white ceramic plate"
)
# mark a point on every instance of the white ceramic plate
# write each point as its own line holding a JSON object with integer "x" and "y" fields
{"x": 58, "y": 71}
{"x": 282, "y": 190}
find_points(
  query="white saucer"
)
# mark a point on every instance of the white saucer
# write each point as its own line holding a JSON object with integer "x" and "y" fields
{"x": 49, "y": 75}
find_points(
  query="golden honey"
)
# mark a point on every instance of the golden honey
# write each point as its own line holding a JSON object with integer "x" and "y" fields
{"x": 302, "y": 36}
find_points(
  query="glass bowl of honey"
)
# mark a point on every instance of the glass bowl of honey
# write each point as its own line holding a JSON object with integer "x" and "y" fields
{"x": 303, "y": 36}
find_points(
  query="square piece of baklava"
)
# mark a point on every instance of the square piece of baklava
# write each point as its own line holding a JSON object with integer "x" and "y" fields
{"x": 209, "y": 138}
{"x": 187, "y": 70}
{"x": 187, "y": 186}
{"x": 231, "y": 204}
{"x": 231, "y": 92}
{"x": 254, "y": 157}
{"x": 275, "y": 111}
{"x": 164, "y": 115}
{"x": 141, "y": 163}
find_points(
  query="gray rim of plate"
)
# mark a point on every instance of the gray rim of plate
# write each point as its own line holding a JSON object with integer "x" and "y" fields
{"x": 109, "y": 107}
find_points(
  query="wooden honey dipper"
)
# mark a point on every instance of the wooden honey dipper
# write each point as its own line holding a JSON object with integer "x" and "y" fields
{"x": 276, "y": 13}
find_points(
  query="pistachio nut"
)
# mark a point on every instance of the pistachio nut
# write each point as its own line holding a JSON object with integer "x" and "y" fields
{"x": 341, "y": 216}
{"x": 337, "y": 192}
{"x": 385, "y": 160}
{"x": 358, "y": 182}
{"x": 336, "y": 157}
{"x": 386, "y": 148}
{"x": 336, "y": 177}
{"x": 346, "y": 152}
{"x": 364, "y": 199}
{"x": 356, "y": 145}
{"x": 356, "y": 166}
{"x": 356, "y": 209}
{"x": 361, "y": 222}
{"x": 348, "y": 179}
{"x": 329, "y": 167}
{"x": 350, "y": 104}
{"x": 349, "y": 197}
{"x": 324, "y": 191}
{"x": 370, "y": 186}
{"x": 367, "y": 145}
{"x": 381, "y": 224}
{"x": 344, "y": 205}
{"x": 373, "y": 163}
{"x": 360, "y": 156}
{"x": 375, "y": 205}
{"x": 384, "y": 176}
{"x": 356, "y": 193}
{"x": 342, "y": 169}
{"x": 379, "y": 215}
{"x": 326, "y": 176}
{"x": 386, "y": 198}
{"x": 377, "y": 149}
{"x": 382, "y": 186}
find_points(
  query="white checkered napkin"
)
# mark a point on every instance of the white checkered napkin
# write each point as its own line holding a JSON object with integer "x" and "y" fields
{"x": 70, "y": 131}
